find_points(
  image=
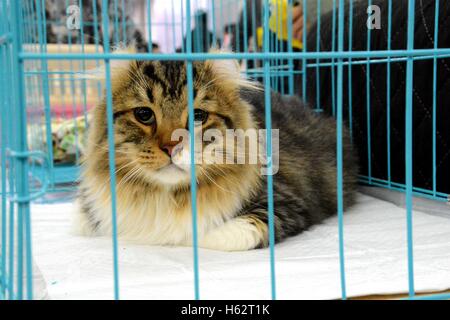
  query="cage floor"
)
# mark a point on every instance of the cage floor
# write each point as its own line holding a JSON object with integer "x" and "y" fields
{"x": 307, "y": 266}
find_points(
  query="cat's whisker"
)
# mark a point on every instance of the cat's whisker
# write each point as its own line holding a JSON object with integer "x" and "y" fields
{"x": 121, "y": 168}
{"x": 204, "y": 172}
{"x": 226, "y": 177}
{"x": 129, "y": 176}
{"x": 133, "y": 162}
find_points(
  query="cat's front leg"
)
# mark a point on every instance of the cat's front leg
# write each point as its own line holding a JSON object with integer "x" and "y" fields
{"x": 242, "y": 233}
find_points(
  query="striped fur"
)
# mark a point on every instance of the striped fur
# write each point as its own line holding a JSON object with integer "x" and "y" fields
{"x": 153, "y": 195}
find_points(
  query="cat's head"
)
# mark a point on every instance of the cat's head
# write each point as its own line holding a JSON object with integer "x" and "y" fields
{"x": 150, "y": 107}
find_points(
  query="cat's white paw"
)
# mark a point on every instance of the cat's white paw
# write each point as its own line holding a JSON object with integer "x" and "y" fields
{"x": 239, "y": 234}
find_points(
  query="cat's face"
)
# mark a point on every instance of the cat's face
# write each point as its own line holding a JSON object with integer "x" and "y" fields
{"x": 150, "y": 106}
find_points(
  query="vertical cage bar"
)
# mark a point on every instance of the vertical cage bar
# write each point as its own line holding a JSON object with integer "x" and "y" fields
{"x": 278, "y": 43}
{"x": 21, "y": 177}
{"x": 124, "y": 22}
{"x": 350, "y": 69}
{"x": 213, "y": 13}
{"x": 388, "y": 94}
{"x": 11, "y": 127}
{"x": 436, "y": 45}
{"x": 237, "y": 26}
{"x": 116, "y": 22}
{"x": 409, "y": 146}
{"x": 62, "y": 82}
{"x": 174, "y": 24}
{"x": 83, "y": 68}
{"x": 368, "y": 104}
{"x": 12, "y": 219}
{"x": 290, "y": 38}
{"x": 3, "y": 183}
{"x": 71, "y": 81}
{"x": 220, "y": 16}
{"x": 190, "y": 84}
{"x": 268, "y": 117}
{"x": 274, "y": 48}
{"x": 333, "y": 66}
{"x": 149, "y": 25}
{"x": 42, "y": 22}
{"x": 174, "y": 37}
{"x": 339, "y": 146}
{"x": 183, "y": 42}
{"x": 111, "y": 148}
{"x": 198, "y": 45}
{"x": 272, "y": 39}
{"x": 237, "y": 32}
{"x": 254, "y": 33}
{"x": 3, "y": 95}
{"x": 26, "y": 207}
{"x": 318, "y": 108}
{"x": 96, "y": 41}
{"x": 305, "y": 42}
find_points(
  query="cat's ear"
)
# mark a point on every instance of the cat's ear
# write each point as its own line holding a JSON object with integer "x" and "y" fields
{"x": 226, "y": 68}
{"x": 229, "y": 72}
{"x": 119, "y": 68}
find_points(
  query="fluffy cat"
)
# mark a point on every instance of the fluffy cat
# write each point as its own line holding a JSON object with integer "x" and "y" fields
{"x": 153, "y": 193}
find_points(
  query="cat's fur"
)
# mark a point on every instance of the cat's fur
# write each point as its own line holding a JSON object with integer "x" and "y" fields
{"x": 153, "y": 197}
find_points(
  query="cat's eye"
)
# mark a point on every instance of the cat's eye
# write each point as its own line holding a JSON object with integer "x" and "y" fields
{"x": 144, "y": 115}
{"x": 200, "y": 115}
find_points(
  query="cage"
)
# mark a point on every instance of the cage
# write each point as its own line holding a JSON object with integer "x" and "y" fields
{"x": 359, "y": 61}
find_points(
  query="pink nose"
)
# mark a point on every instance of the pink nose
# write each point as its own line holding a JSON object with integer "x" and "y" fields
{"x": 168, "y": 148}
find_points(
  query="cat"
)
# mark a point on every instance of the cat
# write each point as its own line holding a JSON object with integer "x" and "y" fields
{"x": 153, "y": 192}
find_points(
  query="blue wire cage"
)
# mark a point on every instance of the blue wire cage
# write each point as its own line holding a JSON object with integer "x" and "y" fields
{"x": 43, "y": 101}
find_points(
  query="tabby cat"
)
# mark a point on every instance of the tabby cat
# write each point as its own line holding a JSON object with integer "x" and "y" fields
{"x": 150, "y": 101}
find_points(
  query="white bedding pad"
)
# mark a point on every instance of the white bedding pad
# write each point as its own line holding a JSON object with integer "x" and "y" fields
{"x": 307, "y": 266}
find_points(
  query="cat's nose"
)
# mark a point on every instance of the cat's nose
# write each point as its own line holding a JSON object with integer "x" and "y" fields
{"x": 168, "y": 148}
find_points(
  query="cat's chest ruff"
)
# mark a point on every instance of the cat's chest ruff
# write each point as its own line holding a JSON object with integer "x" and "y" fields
{"x": 160, "y": 218}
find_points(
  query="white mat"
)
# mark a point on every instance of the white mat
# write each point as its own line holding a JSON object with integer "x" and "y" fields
{"x": 307, "y": 266}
